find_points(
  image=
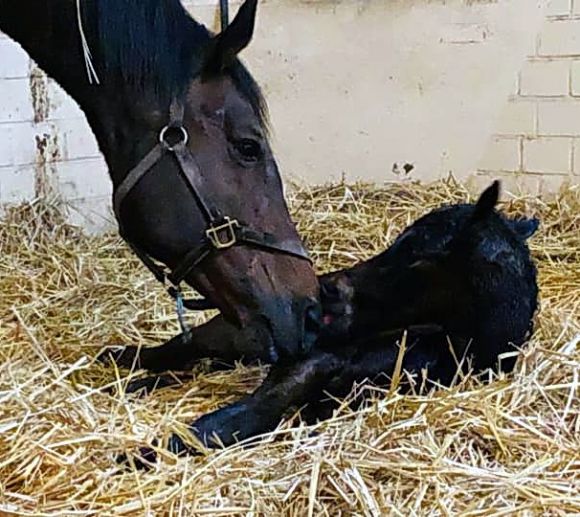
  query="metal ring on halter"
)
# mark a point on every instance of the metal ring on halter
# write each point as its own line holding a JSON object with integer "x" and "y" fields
{"x": 166, "y": 144}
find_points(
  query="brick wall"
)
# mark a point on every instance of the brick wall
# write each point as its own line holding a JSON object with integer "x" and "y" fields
{"x": 536, "y": 142}
{"x": 46, "y": 144}
{"x": 428, "y": 97}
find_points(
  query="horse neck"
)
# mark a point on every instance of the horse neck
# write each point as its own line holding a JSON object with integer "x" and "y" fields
{"x": 49, "y": 31}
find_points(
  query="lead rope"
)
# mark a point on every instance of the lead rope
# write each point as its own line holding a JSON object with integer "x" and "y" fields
{"x": 180, "y": 310}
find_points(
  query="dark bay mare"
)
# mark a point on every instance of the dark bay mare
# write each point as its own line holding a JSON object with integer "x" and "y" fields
{"x": 182, "y": 126}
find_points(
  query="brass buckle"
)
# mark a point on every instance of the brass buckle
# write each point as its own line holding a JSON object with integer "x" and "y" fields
{"x": 228, "y": 234}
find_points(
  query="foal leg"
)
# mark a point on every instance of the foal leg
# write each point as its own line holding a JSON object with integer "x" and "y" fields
{"x": 375, "y": 360}
{"x": 305, "y": 383}
{"x": 261, "y": 411}
{"x": 215, "y": 339}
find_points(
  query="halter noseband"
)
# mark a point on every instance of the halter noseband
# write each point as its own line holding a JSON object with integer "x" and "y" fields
{"x": 222, "y": 232}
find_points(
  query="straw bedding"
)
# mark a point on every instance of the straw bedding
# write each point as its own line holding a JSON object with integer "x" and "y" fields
{"x": 511, "y": 446}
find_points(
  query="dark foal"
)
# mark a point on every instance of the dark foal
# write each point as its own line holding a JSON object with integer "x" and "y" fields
{"x": 460, "y": 280}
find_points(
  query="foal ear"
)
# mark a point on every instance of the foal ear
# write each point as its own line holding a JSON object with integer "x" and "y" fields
{"x": 486, "y": 202}
{"x": 228, "y": 44}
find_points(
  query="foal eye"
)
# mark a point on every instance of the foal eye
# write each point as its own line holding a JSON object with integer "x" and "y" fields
{"x": 249, "y": 149}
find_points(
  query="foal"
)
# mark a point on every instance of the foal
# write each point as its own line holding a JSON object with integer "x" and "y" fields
{"x": 460, "y": 280}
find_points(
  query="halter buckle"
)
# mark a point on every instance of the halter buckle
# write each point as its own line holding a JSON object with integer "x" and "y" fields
{"x": 223, "y": 236}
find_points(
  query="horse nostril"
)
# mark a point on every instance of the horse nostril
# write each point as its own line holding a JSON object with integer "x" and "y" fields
{"x": 312, "y": 324}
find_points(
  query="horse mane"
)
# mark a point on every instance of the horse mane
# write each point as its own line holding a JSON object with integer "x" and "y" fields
{"x": 156, "y": 45}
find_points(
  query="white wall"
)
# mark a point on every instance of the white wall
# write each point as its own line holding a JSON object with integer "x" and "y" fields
{"x": 486, "y": 87}
{"x": 45, "y": 142}
{"x": 535, "y": 143}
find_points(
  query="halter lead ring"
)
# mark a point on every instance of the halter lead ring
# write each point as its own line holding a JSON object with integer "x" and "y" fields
{"x": 171, "y": 146}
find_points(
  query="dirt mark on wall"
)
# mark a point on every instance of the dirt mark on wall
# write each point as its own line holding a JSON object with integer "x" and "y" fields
{"x": 47, "y": 151}
{"x": 39, "y": 94}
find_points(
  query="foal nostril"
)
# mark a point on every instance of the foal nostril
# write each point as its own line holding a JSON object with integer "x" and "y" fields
{"x": 312, "y": 324}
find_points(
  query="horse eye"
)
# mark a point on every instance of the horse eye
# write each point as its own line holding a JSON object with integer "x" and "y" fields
{"x": 249, "y": 149}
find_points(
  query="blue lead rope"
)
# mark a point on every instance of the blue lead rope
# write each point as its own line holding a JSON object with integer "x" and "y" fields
{"x": 180, "y": 309}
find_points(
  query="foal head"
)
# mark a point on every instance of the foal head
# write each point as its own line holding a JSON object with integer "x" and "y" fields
{"x": 453, "y": 267}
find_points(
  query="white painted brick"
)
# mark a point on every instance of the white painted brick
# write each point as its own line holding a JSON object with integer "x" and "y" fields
{"x": 24, "y": 144}
{"x": 207, "y": 12}
{"x": 19, "y": 144}
{"x": 547, "y": 155}
{"x": 559, "y": 118}
{"x": 502, "y": 154}
{"x": 83, "y": 179}
{"x": 576, "y": 158}
{"x": 522, "y": 183}
{"x": 76, "y": 139}
{"x": 575, "y": 77}
{"x": 515, "y": 88}
{"x": 559, "y": 8}
{"x": 560, "y": 38}
{"x": 5, "y": 145}
{"x": 62, "y": 106}
{"x": 465, "y": 33}
{"x": 517, "y": 118}
{"x": 545, "y": 78}
{"x": 65, "y": 140}
{"x": 14, "y": 62}
{"x": 15, "y": 105}
{"x": 16, "y": 184}
{"x": 93, "y": 214}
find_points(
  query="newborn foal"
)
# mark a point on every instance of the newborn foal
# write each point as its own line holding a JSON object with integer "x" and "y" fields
{"x": 460, "y": 279}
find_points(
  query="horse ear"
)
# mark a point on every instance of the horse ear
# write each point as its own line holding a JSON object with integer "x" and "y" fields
{"x": 486, "y": 202}
{"x": 228, "y": 44}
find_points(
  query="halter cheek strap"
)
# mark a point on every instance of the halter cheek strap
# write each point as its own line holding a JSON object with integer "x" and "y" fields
{"x": 222, "y": 232}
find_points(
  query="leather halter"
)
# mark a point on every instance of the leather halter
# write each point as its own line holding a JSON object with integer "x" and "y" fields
{"x": 222, "y": 231}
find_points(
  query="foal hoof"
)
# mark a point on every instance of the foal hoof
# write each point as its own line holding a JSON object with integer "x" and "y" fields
{"x": 204, "y": 432}
{"x": 178, "y": 447}
{"x": 230, "y": 425}
{"x": 146, "y": 457}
